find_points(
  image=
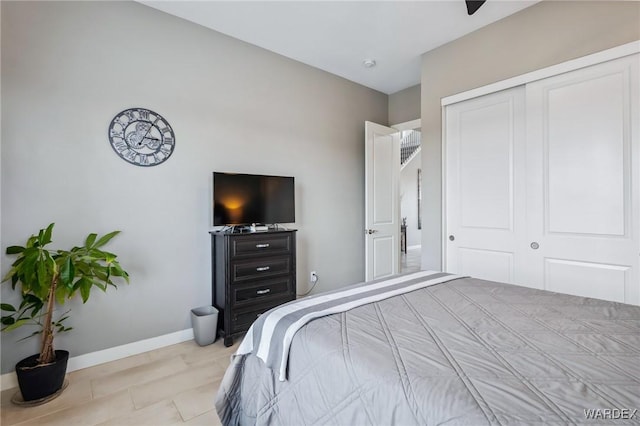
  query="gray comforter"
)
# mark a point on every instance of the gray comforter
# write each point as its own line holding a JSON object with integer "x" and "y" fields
{"x": 464, "y": 352}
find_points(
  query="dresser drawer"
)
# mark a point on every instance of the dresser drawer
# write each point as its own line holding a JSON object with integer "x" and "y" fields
{"x": 260, "y": 245}
{"x": 263, "y": 291}
{"x": 241, "y": 320}
{"x": 243, "y": 270}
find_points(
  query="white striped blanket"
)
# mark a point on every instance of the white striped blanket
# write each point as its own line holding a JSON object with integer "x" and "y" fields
{"x": 270, "y": 336}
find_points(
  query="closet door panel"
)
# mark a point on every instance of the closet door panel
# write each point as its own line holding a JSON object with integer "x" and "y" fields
{"x": 582, "y": 182}
{"x": 485, "y": 185}
{"x": 486, "y": 264}
{"x": 485, "y": 166}
{"x": 597, "y": 280}
{"x": 585, "y": 156}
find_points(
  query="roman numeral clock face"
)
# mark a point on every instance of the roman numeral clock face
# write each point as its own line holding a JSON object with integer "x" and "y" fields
{"x": 141, "y": 137}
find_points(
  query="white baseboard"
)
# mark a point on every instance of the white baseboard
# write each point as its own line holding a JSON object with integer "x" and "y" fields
{"x": 9, "y": 380}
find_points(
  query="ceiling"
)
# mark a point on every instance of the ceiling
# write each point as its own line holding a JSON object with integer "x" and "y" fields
{"x": 337, "y": 36}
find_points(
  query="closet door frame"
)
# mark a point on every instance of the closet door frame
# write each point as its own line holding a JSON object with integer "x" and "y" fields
{"x": 553, "y": 70}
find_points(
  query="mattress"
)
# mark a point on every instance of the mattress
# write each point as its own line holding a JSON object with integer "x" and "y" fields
{"x": 461, "y": 352}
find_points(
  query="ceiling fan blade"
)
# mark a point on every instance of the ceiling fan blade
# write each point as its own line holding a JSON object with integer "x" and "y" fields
{"x": 473, "y": 5}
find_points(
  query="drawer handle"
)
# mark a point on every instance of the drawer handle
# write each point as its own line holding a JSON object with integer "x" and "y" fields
{"x": 263, "y": 268}
{"x": 265, "y": 291}
{"x": 262, "y": 245}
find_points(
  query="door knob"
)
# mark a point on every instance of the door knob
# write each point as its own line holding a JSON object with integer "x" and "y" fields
{"x": 535, "y": 245}
{"x": 451, "y": 237}
{"x": 370, "y": 231}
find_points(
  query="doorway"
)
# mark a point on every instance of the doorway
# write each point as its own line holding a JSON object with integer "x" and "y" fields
{"x": 392, "y": 235}
{"x": 410, "y": 197}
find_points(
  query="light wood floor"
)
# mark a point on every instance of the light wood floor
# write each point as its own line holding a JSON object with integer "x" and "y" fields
{"x": 411, "y": 260}
{"x": 174, "y": 385}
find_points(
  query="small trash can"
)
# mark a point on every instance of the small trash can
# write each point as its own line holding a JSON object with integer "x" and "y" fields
{"x": 204, "y": 321}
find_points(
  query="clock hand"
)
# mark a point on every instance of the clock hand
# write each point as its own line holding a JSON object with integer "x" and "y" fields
{"x": 150, "y": 127}
{"x": 148, "y": 130}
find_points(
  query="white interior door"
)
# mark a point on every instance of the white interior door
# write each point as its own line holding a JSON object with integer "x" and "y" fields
{"x": 382, "y": 201}
{"x": 583, "y": 182}
{"x": 485, "y": 186}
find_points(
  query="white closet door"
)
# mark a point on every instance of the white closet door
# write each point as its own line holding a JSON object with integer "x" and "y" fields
{"x": 583, "y": 184}
{"x": 485, "y": 186}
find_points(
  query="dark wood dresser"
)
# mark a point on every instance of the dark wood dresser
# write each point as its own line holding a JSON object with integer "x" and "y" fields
{"x": 252, "y": 273}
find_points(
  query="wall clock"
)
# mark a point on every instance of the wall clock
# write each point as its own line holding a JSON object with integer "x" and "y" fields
{"x": 141, "y": 137}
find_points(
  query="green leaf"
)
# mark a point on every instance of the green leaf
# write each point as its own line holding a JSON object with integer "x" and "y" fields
{"x": 15, "y": 249}
{"x": 7, "y": 320}
{"x": 125, "y": 275}
{"x": 105, "y": 239}
{"x": 109, "y": 257}
{"x": 85, "y": 289}
{"x": 28, "y": 301}
{"x": 31, "y": 299}
{"x": 99, "y": 274}
{"x": 30, "y": 258}
{"x": 82, "y": 268}
{"x": 90, "y": 240}
{"x": 67, "y": 272}
{"x": 11, "y": 274}
{"x": 97, "y": 254}
{"x": 31, "y": 242}
{"x": 82, "y": 282}
{"x": 61, "y": 294}
{"x": 14, "y": 281}
{"x": 43, "y": 278}
{"x": 32, "y": 302}
{"x": 15, "y": 325}
{"x": 7, "y": 307}
{"x": 47, "y": 234}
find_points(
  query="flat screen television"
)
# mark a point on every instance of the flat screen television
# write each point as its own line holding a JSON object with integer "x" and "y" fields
{"x": 242, "y": 199}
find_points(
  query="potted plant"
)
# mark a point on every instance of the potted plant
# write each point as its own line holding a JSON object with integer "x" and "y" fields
{"x": 48, "y": 278}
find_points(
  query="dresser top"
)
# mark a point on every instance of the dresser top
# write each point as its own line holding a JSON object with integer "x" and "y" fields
{"x": 249, "y": 233}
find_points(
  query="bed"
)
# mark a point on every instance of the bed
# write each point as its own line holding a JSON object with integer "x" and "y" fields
{"x": 448, "y": 350}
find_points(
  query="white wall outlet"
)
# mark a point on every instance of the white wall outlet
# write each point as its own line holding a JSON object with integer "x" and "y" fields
{"x": 313, "y": 277}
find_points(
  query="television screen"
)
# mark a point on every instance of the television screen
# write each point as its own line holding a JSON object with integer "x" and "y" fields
{"x": 240, "y": 199}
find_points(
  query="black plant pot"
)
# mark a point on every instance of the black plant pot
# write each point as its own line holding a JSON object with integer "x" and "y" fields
{"x": 37, "y": 382}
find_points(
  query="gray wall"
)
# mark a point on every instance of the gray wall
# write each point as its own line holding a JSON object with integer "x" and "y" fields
{"x": 404, "y": 105}
{"x": 69, "y": 67}
{"x": 545, "y": 34}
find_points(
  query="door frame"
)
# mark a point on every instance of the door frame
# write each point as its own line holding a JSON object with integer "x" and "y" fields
{"x": 408, "y": 125}
{"x": 542, "y": 73}
{"x": 412, "y": 125}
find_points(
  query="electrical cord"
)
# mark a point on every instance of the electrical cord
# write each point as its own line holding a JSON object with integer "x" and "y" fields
{"x": 310, "y": 290}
